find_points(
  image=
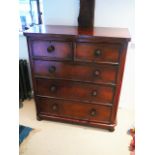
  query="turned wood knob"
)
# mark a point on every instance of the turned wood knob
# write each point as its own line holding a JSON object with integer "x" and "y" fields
{"x": 93, "y": 112}
{"x": 54, "y": 107}
{"x": 96, "y": 73}
{"x": 52, "y": 69}
{"x": 53, "y": 88}
{"x": 97, "y": 53}
{"x": 50, "y": 49}
{"x": 94, "y": 93}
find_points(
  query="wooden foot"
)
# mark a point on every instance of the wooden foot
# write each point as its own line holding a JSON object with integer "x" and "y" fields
{"x": 112, "y": 129}
{"x": 38, "y": 118}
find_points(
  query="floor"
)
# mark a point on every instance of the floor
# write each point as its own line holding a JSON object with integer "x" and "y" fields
{"x": 53, "y": 138}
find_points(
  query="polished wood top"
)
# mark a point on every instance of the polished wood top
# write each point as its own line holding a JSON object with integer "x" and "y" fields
{"x": 75, "y": 31}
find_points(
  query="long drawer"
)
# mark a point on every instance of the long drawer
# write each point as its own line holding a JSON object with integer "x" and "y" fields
{"x": 75, "y": 90}
{"x": 98, "y": 52}
{"x": 79, "y": 72}
{"x": 74, "y": 110}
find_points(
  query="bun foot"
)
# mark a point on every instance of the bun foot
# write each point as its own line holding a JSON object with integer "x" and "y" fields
{"x": 112, "y": 129}
{"x": 38, "y": 118}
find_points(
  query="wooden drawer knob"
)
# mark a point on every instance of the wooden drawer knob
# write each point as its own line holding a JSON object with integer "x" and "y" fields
{"x": 94, "y": 93}
{"x": 55, "y": 107}
{"x": 50, "y": 49}
{"x": 53, "y": 88}
{"x": 52, "y": 69}
{"x": 96, "y": 73}
{"x": 97, "y": 52}
{"x": 93, "y": 112}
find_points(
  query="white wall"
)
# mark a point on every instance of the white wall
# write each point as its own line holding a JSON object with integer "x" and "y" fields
{"x": 111, "y": 13}
{"x": 127, "y": 93}
{"x": 61, "y": 12}
{"x": 115, "y": 13}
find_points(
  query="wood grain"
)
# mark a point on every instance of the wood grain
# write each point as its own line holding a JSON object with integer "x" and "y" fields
{"x": 77, "y": 73}
{"x": 74, "y": 110}
{"x": 75, "y": 90}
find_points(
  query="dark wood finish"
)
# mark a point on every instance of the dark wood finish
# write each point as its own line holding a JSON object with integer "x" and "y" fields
{"x": 60, "y": 31}
{"x": 75, "y": 90}
{"x": 74, "y": 110}
{"x": 52, "y": 49}
{"x": 86, "y": 13}
{"x": 108, "y": 126}
{"x": 77, "y": 73}
{"x": 98, "y": 52}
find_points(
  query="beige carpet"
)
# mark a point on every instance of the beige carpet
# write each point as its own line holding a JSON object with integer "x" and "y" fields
{"x": 53, "y": 138}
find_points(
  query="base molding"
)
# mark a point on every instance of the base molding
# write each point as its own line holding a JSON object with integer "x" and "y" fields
{"x": 107, "y": 126}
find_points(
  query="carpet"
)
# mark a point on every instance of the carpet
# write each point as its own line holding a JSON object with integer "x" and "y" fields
{"x": 23, "y": 132}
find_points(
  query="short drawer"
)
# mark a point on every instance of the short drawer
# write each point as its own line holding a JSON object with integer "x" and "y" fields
{"x": 75, "y": 90}
{"x": 74, "y": 110}
{"x": 52, "y": 49}
{"x": 79, "y": 72}
{"x": 98, "y": 52}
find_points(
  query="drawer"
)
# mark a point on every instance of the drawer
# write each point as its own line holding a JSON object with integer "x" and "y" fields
{"x": 52, "y": 49}
{"x": 75, "y": 90}
{"x": 74, "y": 110}
{"x": 78, "y": 72}
{"x": 98, "y": 52}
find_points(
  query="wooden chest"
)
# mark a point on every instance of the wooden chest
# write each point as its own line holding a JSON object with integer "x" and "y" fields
{"x": 77, "y": 73}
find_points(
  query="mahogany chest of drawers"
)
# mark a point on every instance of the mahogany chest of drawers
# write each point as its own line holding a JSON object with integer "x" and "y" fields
{"x": 77, "y": 73}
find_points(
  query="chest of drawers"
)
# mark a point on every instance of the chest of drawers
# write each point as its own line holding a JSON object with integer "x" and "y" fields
{"x": 77, "y": 73}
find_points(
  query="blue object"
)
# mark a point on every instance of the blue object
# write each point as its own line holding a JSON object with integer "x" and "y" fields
{"x": 23, "y": 132}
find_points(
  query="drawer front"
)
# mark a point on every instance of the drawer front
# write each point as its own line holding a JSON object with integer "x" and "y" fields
{"x": 98, "y": 52}
{"x": 75, "y": 90}
{"x": 52, "y": 49}
{"x": 75, "y": 110}
{"x": 90, "y": 73}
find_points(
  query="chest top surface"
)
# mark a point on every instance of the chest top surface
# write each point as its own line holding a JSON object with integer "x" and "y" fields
{"x": 107, "y": 32}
